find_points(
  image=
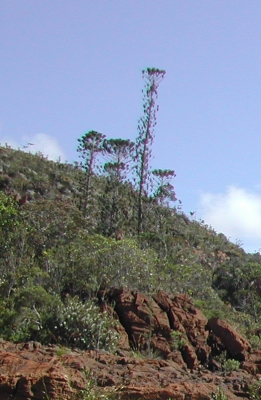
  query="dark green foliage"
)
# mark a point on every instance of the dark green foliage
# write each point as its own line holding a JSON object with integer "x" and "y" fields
{"x": 90, "y": 262}
{"x": 9, "y": 222}
{"x": 240, "y": 285}
{"x": 120, "y": 154}
{"x": 33, "y": 306}
{"x": 8, "y": 213}
{"x": 164, "y": 192}
{"x": 114, "y": 211}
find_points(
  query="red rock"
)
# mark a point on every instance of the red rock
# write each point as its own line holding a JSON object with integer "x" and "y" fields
{"x": 145, "y": 323}
{"x": 236, "y": 345}
{"x": 178, "y": 391}
{"x": 252, "y": 364}
{"x": 185, "y": 318}
{"x": 29, "y": 371}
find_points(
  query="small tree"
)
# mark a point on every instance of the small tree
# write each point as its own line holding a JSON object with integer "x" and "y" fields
{"x": 118, "y": 152}
{"x": 90, "y": 145}
{"x": 91, "y": 261}
{"x": 152, "y": 78}
{"x": 165, "y": 190}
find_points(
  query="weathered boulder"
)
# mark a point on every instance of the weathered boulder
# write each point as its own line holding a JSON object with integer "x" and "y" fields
{"x": 124, "y": 343}
{"x": 191, "y": 322}
{"x": 236, "y": 345}
{"x": 146, "y": 324}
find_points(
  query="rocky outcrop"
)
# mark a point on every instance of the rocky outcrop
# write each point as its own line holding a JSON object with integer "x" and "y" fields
{"x": 151, "y": 322}
{"x": 151, "y": 362}
{"x": 34, "y": 371}
{"x": 235, "y": 344}
{"x": 146, "y": 324}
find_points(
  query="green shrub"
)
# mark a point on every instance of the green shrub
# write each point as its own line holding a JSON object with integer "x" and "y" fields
{"x": 219, "y": 395}
{"x": 255, "y": 342}
{"x": 231, "y": 365}
{"x": 93, "y": 392}
{"x": 82, "y": 325}
{"x": 91, "y": 261}
{"x": 33, "y": 307}
{"x": 255, "y": 390}
{"x": 177, "y": 341}
{"x": 61, "y": 351}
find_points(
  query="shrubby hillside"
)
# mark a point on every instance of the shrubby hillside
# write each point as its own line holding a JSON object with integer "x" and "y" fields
{"x": 71, "y": 231}
{"x": 68, "y": 231}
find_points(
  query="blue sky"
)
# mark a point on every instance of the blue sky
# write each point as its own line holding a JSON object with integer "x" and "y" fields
{"x": 71, "y": 66}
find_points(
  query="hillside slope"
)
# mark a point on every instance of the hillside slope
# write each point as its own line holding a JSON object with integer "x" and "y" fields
{"x": 51, "y": 248}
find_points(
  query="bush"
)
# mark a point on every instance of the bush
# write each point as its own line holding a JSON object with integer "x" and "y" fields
{"x": 255, "y": 342}
{"x": 91, "y": 261}
{"x": 231, "y": 365}
{"x": 255, "y": 390}
{"x": 219, "y": 395}
{"x": 177, "y": 341}
{"x": 82, "y": 325}
{"x": 32, "y": 309}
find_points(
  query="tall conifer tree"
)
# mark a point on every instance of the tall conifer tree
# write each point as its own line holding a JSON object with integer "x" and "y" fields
{"x": 146, "y": 125}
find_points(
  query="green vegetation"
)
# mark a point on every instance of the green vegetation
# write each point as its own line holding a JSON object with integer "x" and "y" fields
{"x": 147, "y": 122}
{"x": 219, "y": 395}
{"x": 49, "y": 248}
{"x": 93, "y": 392}
{"x": 231, "y": 365}
{"x": 255, "y": 390}
{"x": 177, "y": 340}
{"x": 68, "y": 231}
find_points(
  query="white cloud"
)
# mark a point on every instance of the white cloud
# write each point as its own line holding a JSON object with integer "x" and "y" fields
{"x": 46, "y": 144}
{"x": 236, "y": 213}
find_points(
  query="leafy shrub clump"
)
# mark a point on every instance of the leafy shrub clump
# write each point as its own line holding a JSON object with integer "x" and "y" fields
{"x": 219, "y": 395}
{"x": 231, "y": 365}
{"x": 255, "y": 342}
{"x": 93, "y": 392}
{"x": 255, "y": 390}
{"x": 82, "y": 325}
{"x": 93, "y": 260}
{"x": 177, "y": 341}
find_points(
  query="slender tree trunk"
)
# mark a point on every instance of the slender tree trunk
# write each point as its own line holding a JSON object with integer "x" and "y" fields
{"x": 144, "y": 140}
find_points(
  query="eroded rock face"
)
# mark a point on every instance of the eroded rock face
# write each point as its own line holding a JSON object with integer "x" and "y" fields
{"x": 165, "y": 370}
{"x": 146, "y": 324}
{"x": 185, "y": 318}
{"x": 150, "y": 322}
{"x": 236, "y": 345}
